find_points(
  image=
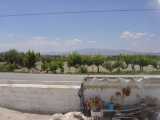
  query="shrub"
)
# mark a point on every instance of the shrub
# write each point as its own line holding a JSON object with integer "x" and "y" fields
{"x": 7, "y": 67}
{"x": 83, "y": 69}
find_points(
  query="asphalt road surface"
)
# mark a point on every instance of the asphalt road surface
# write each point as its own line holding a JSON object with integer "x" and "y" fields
{"x": 50, "y": 79}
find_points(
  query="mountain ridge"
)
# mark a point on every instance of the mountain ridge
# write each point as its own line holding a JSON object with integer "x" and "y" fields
{"x": 103, "y": 51}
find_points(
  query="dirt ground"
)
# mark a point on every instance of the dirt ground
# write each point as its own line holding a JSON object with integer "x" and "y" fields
{"x": 6, "y": 114}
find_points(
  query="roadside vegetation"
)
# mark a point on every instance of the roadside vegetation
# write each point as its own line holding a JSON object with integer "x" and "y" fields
{"x": 74, "y": 63}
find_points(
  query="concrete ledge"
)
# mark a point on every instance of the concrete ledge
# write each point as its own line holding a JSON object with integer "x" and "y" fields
{"x": 40, "y": 86}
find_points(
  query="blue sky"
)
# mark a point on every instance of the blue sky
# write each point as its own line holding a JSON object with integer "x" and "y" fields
{"x": 137, "y": 31}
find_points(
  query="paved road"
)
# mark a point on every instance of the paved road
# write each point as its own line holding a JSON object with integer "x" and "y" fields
{"x": 49, "y": 79}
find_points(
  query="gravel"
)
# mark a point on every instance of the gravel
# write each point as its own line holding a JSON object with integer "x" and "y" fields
{"x": 6, "y": 114}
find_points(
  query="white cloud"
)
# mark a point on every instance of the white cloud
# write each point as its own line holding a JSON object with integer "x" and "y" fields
{"x": 92, "y": 41}
{"x": 141, "y": 41}
{"x": 42, "y": 44}
{"x": 133, "y": 35}
{"x": 72, "y": 43}
{"x": 154, "y": 3}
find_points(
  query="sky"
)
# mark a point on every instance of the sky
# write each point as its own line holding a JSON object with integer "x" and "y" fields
{"x": 136, "y": 31}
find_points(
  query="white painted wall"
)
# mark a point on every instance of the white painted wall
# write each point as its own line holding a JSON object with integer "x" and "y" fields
{"x": 39, "y": 98}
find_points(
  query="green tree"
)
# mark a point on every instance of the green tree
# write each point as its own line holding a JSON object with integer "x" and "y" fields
{"x": 30, "y": 59}
{"x": 45, "y": 66}
{"x": 98, "y": 60}
{"x": 11, "y": 56}
{"x": 2, "y": 57}
{"x": 86, "y": 60}
{"x": 83, "y": 69}
{"x": 61, "y": 65}
{"x": 74, "y": 59}
{"x": 55, "y": 65}
{"x": 155, "y": 63}
{"x": 20, "y": 59}
{"x": 142, "y": 61}
{"x": 130, "y": 60}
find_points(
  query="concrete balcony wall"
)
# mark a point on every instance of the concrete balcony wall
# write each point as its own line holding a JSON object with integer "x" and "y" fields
{"x": 57, "y": 93}
{"x": 39, "y": 98}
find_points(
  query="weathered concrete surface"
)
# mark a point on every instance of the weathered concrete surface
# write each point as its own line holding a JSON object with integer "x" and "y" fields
{"x": 41, "y": 93}
{"x": 39, "y": 98}
{"x": 107, "y": 87}
{"x": 7, "y": 114}
{"x": 48, "y": 93}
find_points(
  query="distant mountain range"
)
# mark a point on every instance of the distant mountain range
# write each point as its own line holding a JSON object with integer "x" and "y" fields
{"x": 109, "y": 52}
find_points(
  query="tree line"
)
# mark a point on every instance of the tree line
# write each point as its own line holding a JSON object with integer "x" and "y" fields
{"x": 119, "y": 62}
{"x": 13, "y": 59}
